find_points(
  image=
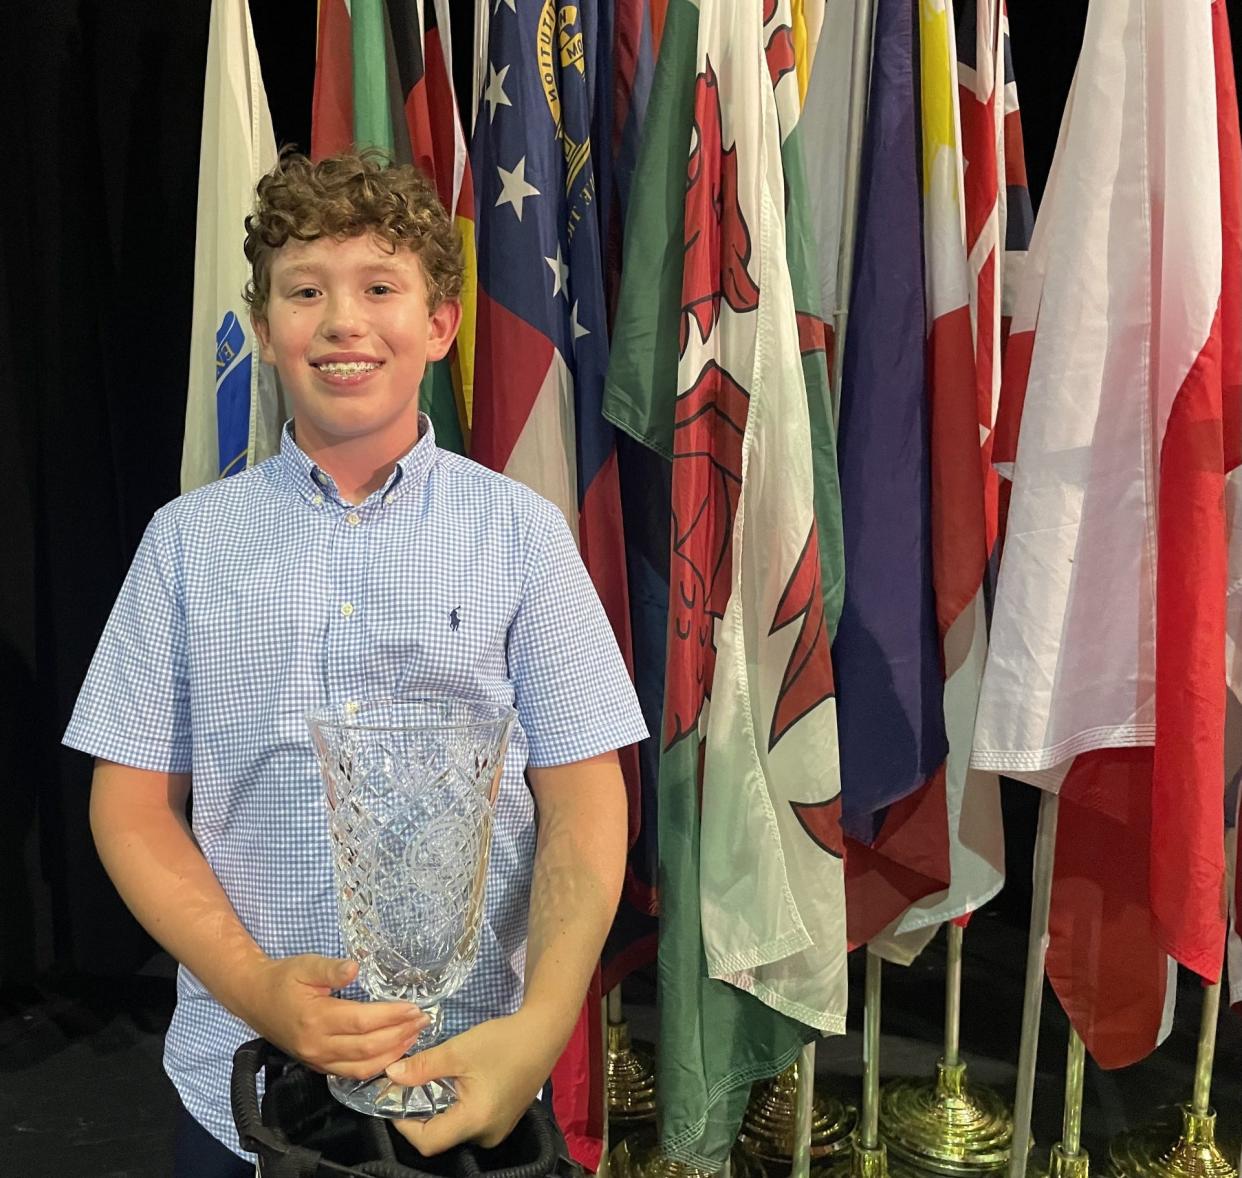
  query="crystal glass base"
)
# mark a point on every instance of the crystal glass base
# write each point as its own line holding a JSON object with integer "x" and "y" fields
{"x": 382, "y": 1097}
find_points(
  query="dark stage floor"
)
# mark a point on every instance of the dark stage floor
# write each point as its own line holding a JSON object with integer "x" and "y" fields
{"x": 83, "y": 1095}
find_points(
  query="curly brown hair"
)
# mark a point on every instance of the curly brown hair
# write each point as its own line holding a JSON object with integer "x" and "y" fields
{"x": 347, "y": 195}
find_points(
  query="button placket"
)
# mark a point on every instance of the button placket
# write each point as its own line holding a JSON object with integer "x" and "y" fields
{"x": 347, "y": 658}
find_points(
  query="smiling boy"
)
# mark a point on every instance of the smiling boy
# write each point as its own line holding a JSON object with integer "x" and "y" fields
{"x": 359, "y": 561}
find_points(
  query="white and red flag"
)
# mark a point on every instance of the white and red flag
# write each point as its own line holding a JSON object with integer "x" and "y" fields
{"x": 1106, "y": 673}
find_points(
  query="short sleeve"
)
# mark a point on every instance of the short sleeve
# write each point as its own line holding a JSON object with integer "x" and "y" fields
{"x": 572, "y": 691}
{"x": 134, "y": 707}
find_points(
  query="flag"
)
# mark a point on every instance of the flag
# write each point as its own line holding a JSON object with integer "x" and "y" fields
{"x": 542, "y": 343}
{"x": 886, "y": 649}
{"x": 630, "y": 67}
{"x": 999, "y": 218}
{"x": 400, "y": 99}
{"x": 751, "y": 880}
{"x": 958, "y": 526}
{"x": 234, "y": 410}
{"x": 824, "y": 124}
{"x": 1107, "y": 664}
{"x": 643, "y": 479}
{"x": 787, "y": 66}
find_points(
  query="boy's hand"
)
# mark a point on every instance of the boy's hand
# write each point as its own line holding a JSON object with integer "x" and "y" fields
{"x": 290, "y": 1004}
{"x": 497, "y": 1068}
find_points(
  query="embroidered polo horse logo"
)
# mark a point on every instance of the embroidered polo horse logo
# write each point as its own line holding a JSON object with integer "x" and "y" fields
{"x": 454, "y": 618}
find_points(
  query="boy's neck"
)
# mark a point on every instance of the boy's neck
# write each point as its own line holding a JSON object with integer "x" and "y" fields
{"x": 359, "y": 466}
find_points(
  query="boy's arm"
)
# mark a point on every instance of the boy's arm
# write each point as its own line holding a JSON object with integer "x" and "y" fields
{"x": 138, "y": 818}
{"x": 500, "y": 1065}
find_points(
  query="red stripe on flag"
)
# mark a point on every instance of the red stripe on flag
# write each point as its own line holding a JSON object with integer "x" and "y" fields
{"x": 441, "y": 119}
{"x": 332, "y": 105}
{"x": 1016, "y": 371}
{"x": 418, "y": 123}
{"x": 908, "y": 861}
{"x": 1015, "y": 151}
{"x": 627, "y": 39}
{"x": 959, "y": 542}
{"x": 987, "y": 357}
{"x": 979, "y": 151}
{"x": 1188, "y": 860}
{"x": 1104, "y": 961}
{"x": 509, "y": 355}
{"x": 601, "y": 538}
{"x": 577, "y": 1083}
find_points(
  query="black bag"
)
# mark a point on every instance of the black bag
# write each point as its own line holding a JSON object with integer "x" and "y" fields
{"x": 303, "y": 1131}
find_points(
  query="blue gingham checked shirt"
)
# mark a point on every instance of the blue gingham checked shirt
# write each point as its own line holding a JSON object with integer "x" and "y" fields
{"x": 253, "y": 599}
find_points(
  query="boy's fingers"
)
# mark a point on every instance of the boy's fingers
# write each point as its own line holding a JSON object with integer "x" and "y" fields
{"x": 361, "y": 1018}
{"x": 443, "y": 1131}
{"x": 386, "y": 1044}
{"x": 332, "y": 972}
{"x": 424, "y": 1066}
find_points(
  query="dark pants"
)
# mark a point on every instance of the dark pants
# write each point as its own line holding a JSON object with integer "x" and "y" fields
{"x": 196, "y": 1154}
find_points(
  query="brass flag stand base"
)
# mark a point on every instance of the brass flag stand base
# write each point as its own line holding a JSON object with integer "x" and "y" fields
{"x": 946, "y": 1125}
{"x": 641, "y": 1157}
{"x": 769, "y": 1129}
{"x": 629, "y": 1072}
{"x": 630, "y": 1078}
{"x": 1155, "y": 1151}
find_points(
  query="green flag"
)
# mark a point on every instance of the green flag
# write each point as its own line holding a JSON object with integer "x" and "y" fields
{"x": 705, "y": 370}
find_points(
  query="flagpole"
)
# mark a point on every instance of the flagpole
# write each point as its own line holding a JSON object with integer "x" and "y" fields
{"x": 946, "y": 1124}
{"x": 1156, "y": 1149}
{"x": 860, "y": 88}
{"x": 1068, "y": 1159}
{"x": 802, "y": 1113}
{"x": 1032, "y": 1001}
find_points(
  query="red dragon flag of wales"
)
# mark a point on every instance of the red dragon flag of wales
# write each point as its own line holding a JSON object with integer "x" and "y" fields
{"x": 748, "y": 607}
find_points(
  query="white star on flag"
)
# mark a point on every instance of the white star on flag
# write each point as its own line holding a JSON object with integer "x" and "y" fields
{"x": 513, "y": 187}
{"x": 507, "y": 3}
{"x": 579, "y": 330}
{"x": 495, "y": 94}
{"x": 560, "y": 272}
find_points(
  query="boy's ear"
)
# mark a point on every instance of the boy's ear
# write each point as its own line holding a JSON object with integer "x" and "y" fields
{"x": 442, "y": 325}
{"x": 263, "y": 333}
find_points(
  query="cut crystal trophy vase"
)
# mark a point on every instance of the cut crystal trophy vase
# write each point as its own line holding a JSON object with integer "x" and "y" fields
{"x": 411, "y": 788}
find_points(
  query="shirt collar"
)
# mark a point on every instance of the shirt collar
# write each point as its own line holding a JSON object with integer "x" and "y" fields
{"x": 311, "y": 482}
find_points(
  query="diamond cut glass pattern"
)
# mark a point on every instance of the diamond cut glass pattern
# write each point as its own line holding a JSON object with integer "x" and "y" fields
{"x": 410, "y": 786}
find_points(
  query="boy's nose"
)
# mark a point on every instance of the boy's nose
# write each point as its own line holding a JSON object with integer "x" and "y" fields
{"x": 341, "y": 319}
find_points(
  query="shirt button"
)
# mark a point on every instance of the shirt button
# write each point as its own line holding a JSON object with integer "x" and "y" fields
{"x": 347, "y": 610}
{"x": 351, "y": 707}
{"x": 388, "y": 498}
{"x": 321, "y": 478}
{"x": 317, "y": 501}
{"x": 353, "y": 519}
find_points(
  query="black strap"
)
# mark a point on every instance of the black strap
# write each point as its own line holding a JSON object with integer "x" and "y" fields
{"x": 281, "y": 1159}
{"x": 294, "y": 1162}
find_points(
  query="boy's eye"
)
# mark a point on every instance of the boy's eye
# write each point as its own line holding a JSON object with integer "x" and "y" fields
{"x": 305, "y": 292}
{"x": 381, "y": 288}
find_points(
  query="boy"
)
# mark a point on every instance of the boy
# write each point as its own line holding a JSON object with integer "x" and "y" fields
{"x": 359, "y": 561}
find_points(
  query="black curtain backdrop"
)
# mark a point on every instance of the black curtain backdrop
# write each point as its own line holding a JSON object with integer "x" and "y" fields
{"x": 99, "y": 186}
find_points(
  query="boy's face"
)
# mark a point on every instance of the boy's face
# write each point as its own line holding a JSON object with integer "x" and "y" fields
{"x": 348, "y": 329}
